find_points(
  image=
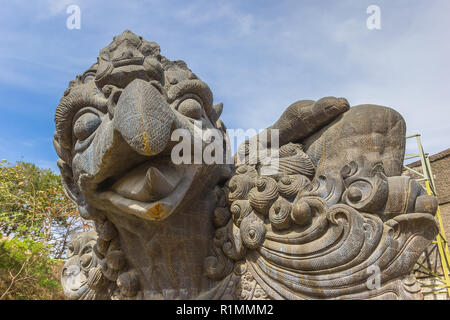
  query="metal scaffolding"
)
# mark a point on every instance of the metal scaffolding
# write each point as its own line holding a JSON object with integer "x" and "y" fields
{"x": 442, "y": 253}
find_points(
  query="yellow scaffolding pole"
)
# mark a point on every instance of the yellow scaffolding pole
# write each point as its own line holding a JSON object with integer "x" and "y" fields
{"x": 441, "y": 240}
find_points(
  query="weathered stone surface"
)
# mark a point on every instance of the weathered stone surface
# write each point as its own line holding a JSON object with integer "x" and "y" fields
{"x": 320, "y": 222}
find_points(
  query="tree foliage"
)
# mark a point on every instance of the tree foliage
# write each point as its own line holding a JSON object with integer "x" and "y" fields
{"x": 27, "y": 271}
{"x": 33, "y": 205}
{"x": 36, "y": 220}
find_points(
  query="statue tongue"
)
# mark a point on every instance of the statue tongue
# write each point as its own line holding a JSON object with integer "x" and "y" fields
{"x": 148, "y": 182}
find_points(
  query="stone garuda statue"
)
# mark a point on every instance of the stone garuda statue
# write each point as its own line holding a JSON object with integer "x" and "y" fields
{"x": 331, "y": 218}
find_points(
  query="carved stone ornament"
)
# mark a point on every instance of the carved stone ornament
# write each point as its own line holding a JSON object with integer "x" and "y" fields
{"x": 331, "y": 219}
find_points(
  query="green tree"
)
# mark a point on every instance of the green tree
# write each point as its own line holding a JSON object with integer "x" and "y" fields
{"x": 33, "y": 205}
{"x": 36, "y": 220}
{"x": 27, "y": 271}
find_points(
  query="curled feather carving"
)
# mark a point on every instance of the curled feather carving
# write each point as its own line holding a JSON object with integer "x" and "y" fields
{"x": 219, "y": 265}
{"x": 238, "y": 187}
{"x": 96, "y": 279}
{"x": 239, "y": 210}
{"x": 263, "y": 195}
{"x": 253, "y": 231}
{"x": 248, "y": 170}
{"x": 234, "y": 247}
{"x": 280, "y": 214}
{"x": 289, "y": 186}
{"x": 294, "y": 161}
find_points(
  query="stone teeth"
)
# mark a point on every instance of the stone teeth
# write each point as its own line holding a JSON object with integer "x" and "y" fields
{"x": 158, "y": 183}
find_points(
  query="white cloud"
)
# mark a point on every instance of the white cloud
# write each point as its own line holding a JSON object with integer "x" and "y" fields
{"x": 257, "y": 58}
{"x": 201, "y": 13}
{"x": 404, "y": 66}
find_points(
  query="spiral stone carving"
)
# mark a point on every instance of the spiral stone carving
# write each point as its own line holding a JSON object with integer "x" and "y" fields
{"x": 290, "y": 186}
{"x": 217, "y": 266}
{"x": 366, "y": 194}
{"x": 247, "y": 170}
{"x": 263, "y": 195}
{"x": 252, "y": 231}
{"x": 301, "y": 213}
{"x": 293, "y": 161}
{"x": 234, "y": 247}
{"x": 239, "y": 210}
{"x": 280, "y": 214}
{"x": 238, "y": 187}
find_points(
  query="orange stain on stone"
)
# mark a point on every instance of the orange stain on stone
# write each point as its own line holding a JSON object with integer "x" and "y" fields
{"x": 158, "y": 210}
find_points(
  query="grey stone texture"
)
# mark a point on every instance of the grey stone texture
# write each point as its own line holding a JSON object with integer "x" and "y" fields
{"x": 330, "y": 219}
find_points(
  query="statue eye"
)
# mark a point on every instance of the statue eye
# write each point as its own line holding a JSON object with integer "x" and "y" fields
{"x": 86, "y": 256}
{"x": 85, "y": 125}
{"x": 88, "y": 76}
{"x": 74, "y": 248}
{"x": 190, "y": 108}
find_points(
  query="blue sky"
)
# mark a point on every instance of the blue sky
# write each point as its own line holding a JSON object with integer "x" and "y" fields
{"x": 257, "y": 56}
